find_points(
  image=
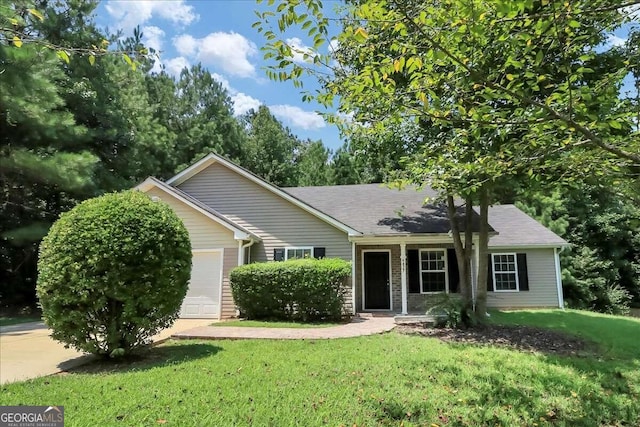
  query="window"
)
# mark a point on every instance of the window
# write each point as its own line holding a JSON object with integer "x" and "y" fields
{"x": 298, "y": 253}
{"x": 433, "y": 271}
{"x": 505, "y": 272}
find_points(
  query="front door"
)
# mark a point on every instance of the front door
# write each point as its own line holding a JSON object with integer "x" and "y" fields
{"x": 377, "y": 281}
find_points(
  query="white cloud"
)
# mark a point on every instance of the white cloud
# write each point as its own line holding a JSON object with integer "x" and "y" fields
{"x": 298, "y": 50}
{"x": 174, "y": 66}
{"x": 297, "y": 117}
{"x": 153, "y": 37}
{"x": 242, "y": 103}
{"x": 334, "y": 45}
{"x": 185, "y": 45}
{"x": 229, "y": 52}
{"x": 631, "y": 12}
{"x": 346, "y": 117}
{"x": 130, "y": 13}
{"x": 613, "y": 40}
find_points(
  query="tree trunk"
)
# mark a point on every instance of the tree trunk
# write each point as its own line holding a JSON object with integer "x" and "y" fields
{"x": 483, "y": 243}
{"x": 463, "y": 257}
{"x": 468, "y": 242}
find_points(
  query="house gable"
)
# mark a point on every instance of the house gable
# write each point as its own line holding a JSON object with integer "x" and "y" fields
{"x": 212, "y": 159}
{"x": 259, "y": 207}
{"x": 185, "y": 205}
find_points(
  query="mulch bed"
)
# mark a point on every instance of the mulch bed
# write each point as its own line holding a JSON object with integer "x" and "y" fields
{"x": 523, "y": 338}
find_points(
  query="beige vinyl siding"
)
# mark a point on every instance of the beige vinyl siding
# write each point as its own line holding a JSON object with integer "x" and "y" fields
{"x": 543, "y": 290}
{"x": 277, "y": 221}
{"x": 204, "y": 232}
{"x": 229, "y": 262}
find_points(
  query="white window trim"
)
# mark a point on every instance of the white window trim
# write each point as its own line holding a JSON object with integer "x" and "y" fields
{"x": 297, "y": 248}
{"x": 493, "y": 271}
{"x": 446, "y": 270}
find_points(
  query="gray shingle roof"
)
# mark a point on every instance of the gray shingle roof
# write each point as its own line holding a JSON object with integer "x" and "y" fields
{"x": 516, "y": 228}
{"x": 374, "y": 209}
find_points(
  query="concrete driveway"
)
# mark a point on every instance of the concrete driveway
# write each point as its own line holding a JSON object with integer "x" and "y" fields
{"x": 27, "y": 351}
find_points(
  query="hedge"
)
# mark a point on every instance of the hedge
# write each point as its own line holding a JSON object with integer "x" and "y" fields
{"x": 301, "y": 290}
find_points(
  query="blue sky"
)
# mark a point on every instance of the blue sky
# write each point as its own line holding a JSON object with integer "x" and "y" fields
{"x": 218, "y": 34}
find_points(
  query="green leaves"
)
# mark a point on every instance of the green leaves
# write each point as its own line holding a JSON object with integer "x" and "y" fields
{"x": 272, "y": 290}
{"x": 129, "y": 61}
{"x": 361, "y": 35}
{"x": 36, "y": 14}
{"x": 63, "y": 55}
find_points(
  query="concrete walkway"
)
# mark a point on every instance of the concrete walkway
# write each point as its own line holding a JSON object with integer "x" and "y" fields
{"x": 357, "y": 327}
{"x": 27, "y": 351}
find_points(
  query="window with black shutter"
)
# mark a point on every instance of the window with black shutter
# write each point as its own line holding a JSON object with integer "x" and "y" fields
{"x": 278, "y": 254}
{"x": 452, "y": 270}
{"x": 523, "y": 273}
{"x": 507, "y": 272}
{"x": 298, "y": 253}
{"x": 433, "y": 270}
{"x": 413, "y": 267}
{"x": 318, "y": 253}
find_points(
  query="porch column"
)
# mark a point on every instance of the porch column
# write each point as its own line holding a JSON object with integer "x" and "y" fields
{"x": 353, "y": 278}
{"x": 403, "y": 275}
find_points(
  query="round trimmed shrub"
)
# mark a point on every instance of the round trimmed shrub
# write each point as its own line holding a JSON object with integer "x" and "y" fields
{"x": 113, "y": 272}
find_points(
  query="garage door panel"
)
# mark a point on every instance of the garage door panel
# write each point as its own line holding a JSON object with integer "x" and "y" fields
{"x": 203, "y": 295}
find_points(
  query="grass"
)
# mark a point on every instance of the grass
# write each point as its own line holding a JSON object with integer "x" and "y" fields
{"x": 274, "y": 324}
{"x": 616, "y": 336}
{"x": 388, "y": 379}
{"x": 15, "y": 320}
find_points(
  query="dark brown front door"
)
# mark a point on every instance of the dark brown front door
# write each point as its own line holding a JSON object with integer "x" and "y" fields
{"x": 376, "y": 281}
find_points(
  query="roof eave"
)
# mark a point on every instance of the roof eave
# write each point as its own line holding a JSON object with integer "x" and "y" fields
{"x": 532, "y": 246}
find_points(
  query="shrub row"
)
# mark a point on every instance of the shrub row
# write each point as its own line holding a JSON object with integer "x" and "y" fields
{"x": 304, "y": 290}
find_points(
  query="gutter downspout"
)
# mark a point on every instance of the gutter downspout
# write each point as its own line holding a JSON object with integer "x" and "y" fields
{"x": 241, "y": 249}
{"x": 556, "y": 256}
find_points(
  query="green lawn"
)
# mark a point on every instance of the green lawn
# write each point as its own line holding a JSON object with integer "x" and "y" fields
{"x": 617, "y": 337}
{"x": 388, "y": 379}
{"x": 274, "y": 324}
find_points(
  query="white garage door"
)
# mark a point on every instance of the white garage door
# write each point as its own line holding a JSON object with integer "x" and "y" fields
{"x": 203, "y": 296}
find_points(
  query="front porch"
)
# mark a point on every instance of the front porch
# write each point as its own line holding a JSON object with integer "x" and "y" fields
{"x": 405, "y": 277}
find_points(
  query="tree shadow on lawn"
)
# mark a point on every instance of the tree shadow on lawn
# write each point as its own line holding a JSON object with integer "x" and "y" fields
{"x": 599, "y": 391}
{"x": 617, "y": 337}
{"x": 612, "y": 364}
{"x": 154, "y": 357}
{"x": 604, "y": 386}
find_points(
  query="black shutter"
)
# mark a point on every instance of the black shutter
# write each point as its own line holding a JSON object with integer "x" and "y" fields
{"x": 523, "y": 275}
{"x": 318, "y": 253}
{"x": 490, "y": 275}
{"x": 278, "y": 254}
{"x": 452, "y": 270}
{"x": 413, "y": 265}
